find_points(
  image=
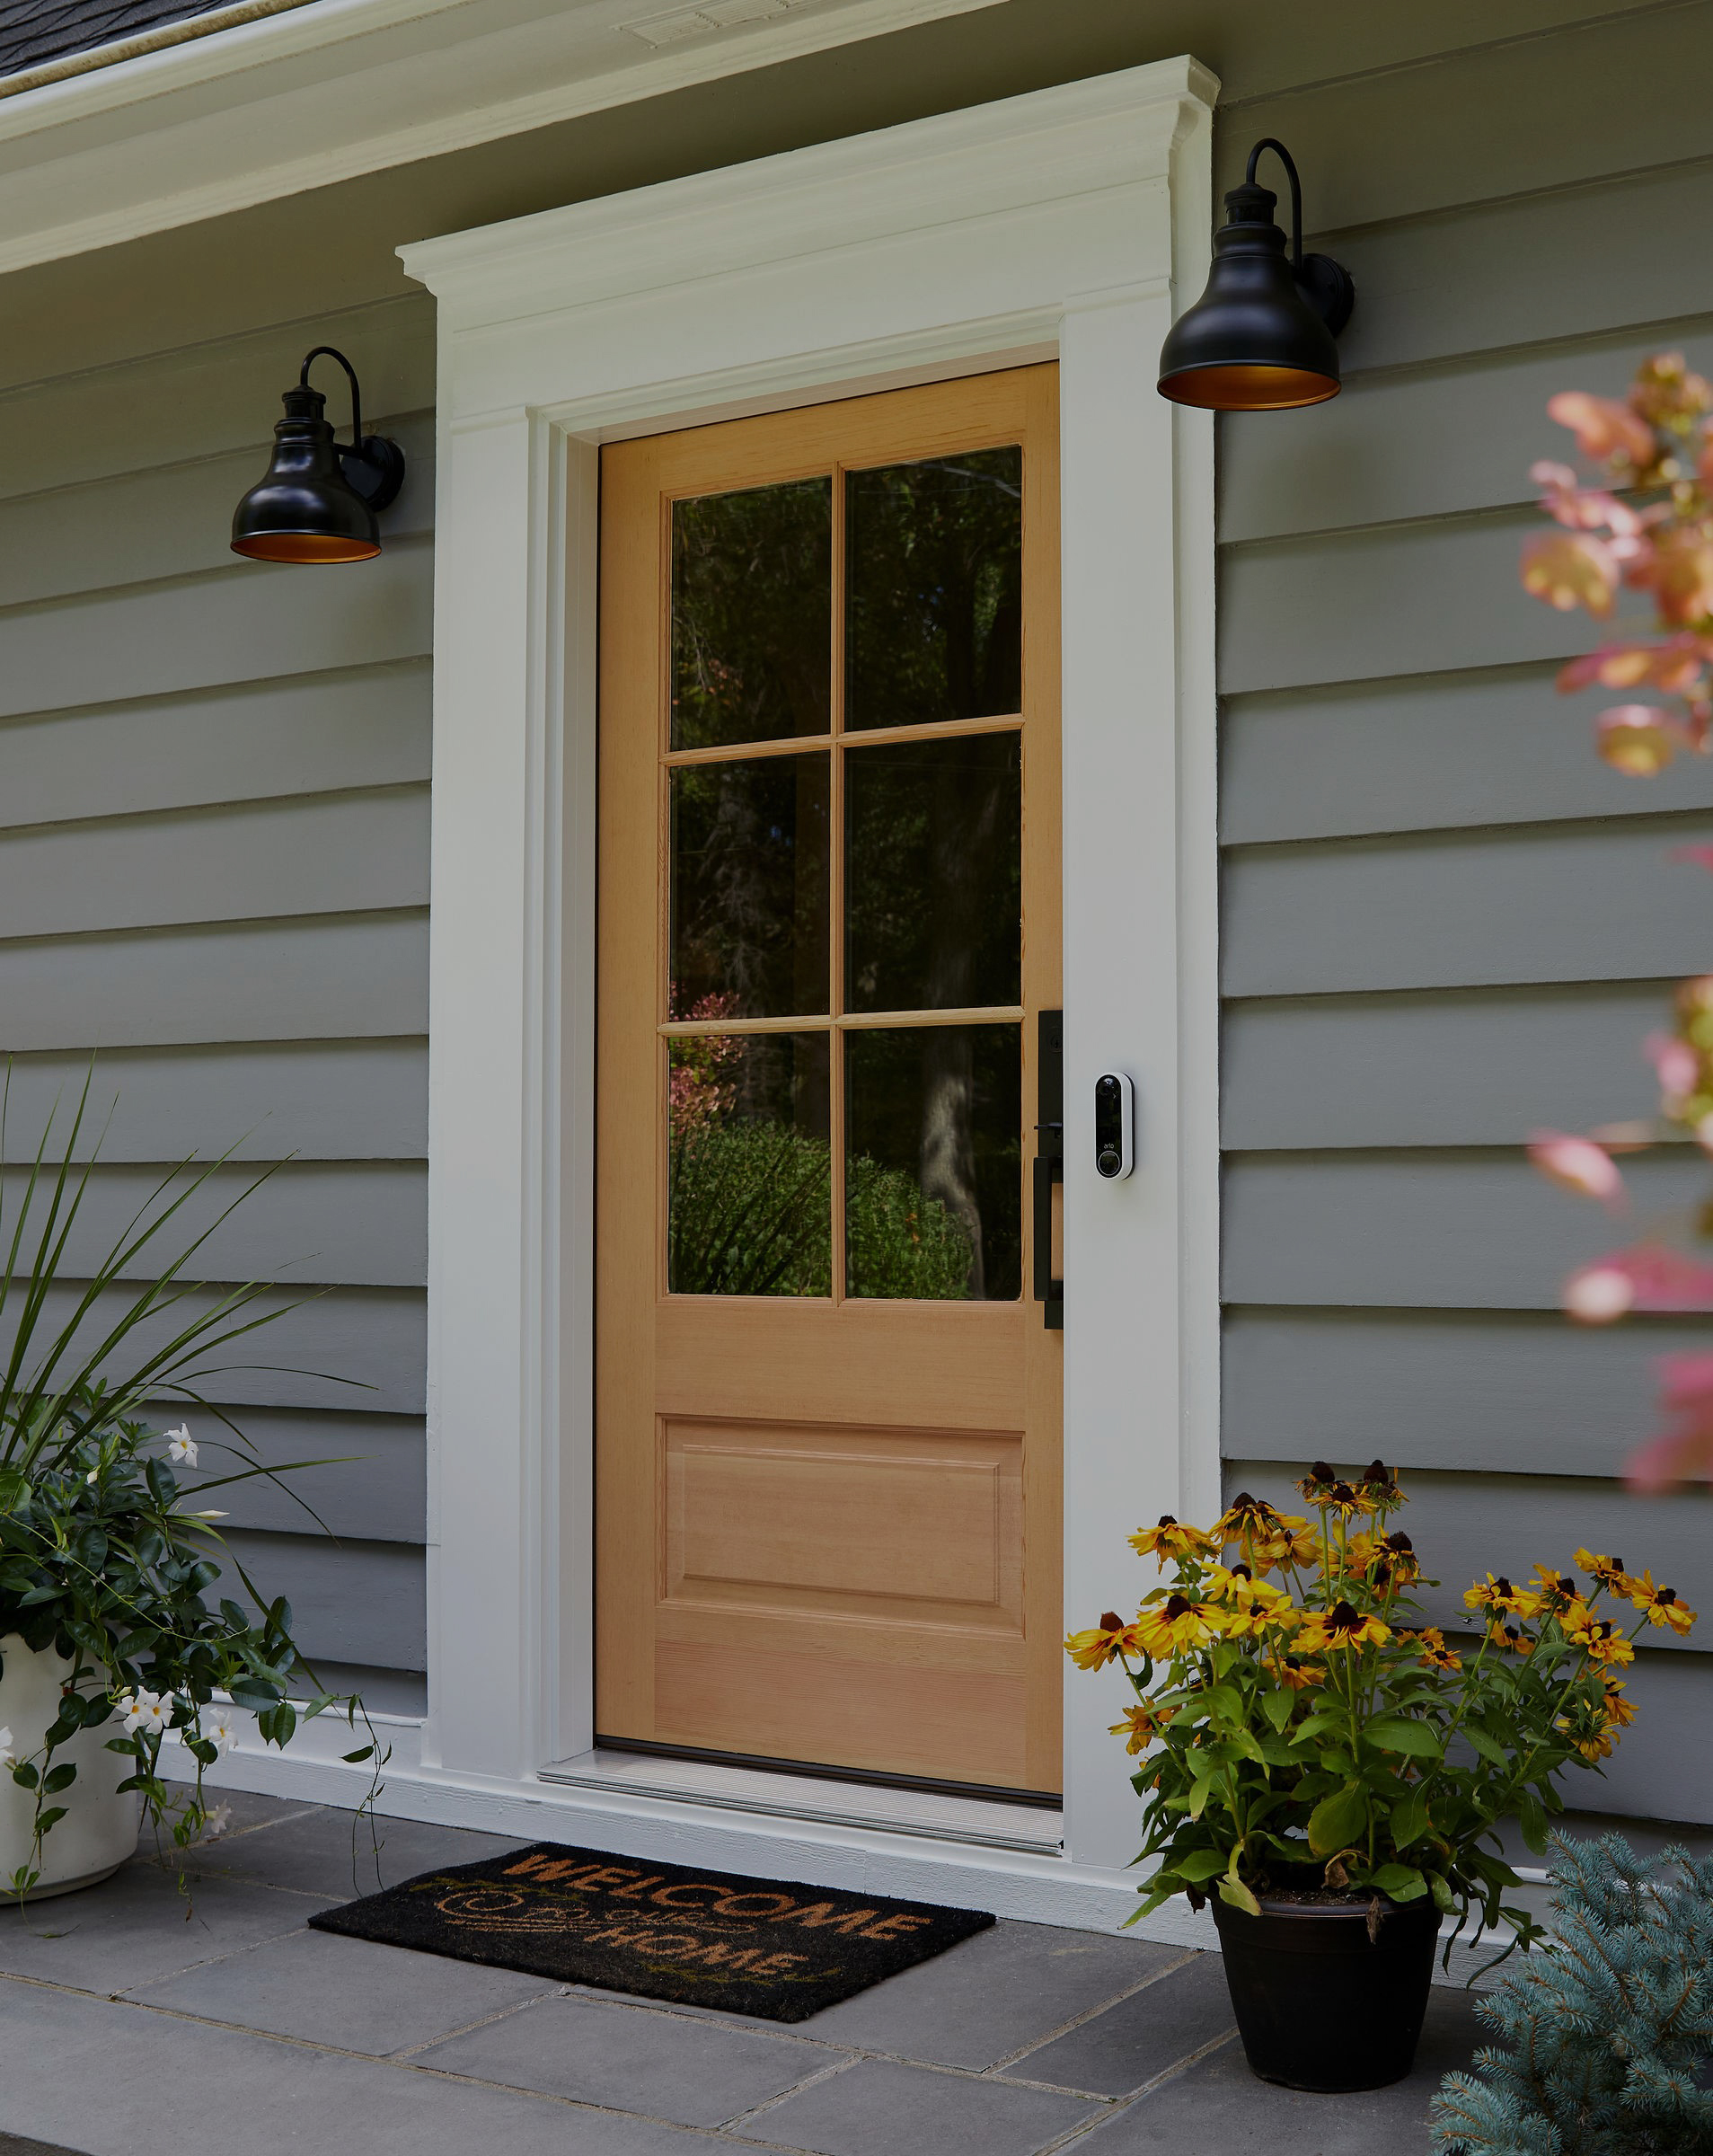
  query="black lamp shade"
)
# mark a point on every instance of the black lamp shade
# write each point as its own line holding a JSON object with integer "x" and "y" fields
{"x": 1255, "y": 341}
{"x": 303, "y": 508}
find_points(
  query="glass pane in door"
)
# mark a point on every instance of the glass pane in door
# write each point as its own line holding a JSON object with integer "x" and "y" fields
{"x": 748, "y": 889}
{"x": 749, "y": 1191}
{"x": 934, "y": 874}
{"x": 752, "y": 614}
{"x": 934, "y": 564}
{"x": 934, "y": 1171}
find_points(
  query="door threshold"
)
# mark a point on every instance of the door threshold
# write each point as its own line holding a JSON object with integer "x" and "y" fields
{"x": 888, "y": 1810}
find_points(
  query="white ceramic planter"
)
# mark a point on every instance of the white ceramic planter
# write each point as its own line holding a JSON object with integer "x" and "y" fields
{"x": 99, "y": 1831}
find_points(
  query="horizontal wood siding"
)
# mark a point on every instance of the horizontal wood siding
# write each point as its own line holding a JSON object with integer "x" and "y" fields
{"x": 214, "y": 879}
{"x": 1445, "y": 924}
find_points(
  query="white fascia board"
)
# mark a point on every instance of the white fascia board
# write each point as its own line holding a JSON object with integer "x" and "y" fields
{"x": 327, "y": 91}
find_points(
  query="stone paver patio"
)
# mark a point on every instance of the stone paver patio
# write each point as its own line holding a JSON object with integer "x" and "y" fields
{"x": 124, "y": 2025}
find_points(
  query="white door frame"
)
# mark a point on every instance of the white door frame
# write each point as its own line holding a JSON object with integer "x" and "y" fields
{"x": 1059, "y": 224}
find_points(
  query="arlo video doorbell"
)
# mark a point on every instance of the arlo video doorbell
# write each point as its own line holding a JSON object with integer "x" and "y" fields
{"x": 1114, "y": 1124}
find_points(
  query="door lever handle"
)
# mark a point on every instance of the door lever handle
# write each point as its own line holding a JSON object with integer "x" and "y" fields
{"x": 1050, "y": 1169}
{"x": 1048, "y": 1165}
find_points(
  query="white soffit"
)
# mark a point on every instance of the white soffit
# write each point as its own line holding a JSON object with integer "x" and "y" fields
{"x": 336, "y": 88}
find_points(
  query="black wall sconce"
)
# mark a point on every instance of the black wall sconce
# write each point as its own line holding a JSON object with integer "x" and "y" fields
{"x": 318, "y": 499}
{"x": 1261, "y": 337}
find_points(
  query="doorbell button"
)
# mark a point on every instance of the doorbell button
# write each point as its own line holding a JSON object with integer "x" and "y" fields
{"x": 1115, "y": 1125}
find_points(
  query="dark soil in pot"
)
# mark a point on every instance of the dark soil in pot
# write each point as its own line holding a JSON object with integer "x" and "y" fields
{"x": 1320, "y": 2003}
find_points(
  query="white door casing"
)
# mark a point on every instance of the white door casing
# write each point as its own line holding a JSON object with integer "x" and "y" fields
{"x": 1066, "y": 224}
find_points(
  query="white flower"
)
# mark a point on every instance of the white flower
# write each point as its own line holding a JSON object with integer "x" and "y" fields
{"x": 219, "y": 1729}
{"x": 150, "y": 1711}
{"x": 94, "y": 1475}
{"x": 8, "y": 1757}
{"x": 180, "y": 1447}
{"x": 216, "y": 1823}
{"x": 210, "y": 1516}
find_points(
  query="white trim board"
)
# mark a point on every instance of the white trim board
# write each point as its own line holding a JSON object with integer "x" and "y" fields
{"x": 1059, "y": 223}
{"x": 265, "y": 110}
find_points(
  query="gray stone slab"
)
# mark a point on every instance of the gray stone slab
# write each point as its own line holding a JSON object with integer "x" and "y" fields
{"x": 664, "y": 2065}
{"x": 1140, "y": 2037}
{"x": 330, "y": 1853}
{"x": 244, "y": 1809}
{"x": 348, "y": 1994}
{"x": 138, "y": 1928}
{"x": 74, "y": 2066}
{"x": 996, "y": 1994}
{"x": 1219, "y": 2104}
{"x": 883, "y": 2107}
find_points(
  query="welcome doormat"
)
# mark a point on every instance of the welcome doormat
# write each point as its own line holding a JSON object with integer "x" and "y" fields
{"x": 779, "y": 1950}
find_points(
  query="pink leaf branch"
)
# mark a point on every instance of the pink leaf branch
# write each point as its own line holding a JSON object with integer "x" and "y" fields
{"x": 1683, "y": 1452}
{"x": 1648, "y": 526}
{"x": 1646, "y": 1276}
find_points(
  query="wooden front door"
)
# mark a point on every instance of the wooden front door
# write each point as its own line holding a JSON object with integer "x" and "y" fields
{"x": 827, "y": 1407}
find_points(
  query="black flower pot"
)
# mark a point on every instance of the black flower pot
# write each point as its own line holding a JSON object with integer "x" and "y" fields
{"x": 1320, "y": 2003}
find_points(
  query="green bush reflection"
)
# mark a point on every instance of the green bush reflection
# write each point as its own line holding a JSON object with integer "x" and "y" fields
{"x": 751, "y": 1216}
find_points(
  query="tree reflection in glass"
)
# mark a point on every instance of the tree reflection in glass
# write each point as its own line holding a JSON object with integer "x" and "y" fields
{"x": 941, "y": 1108}
{"x": 752, "y": 614}
{"x": 934, "y": 589}
{"x": 934, "y": 870}
{"x": 748, "y": 885}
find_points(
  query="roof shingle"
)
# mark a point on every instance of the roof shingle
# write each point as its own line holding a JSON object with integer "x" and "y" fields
{"x": 33, "y": 33}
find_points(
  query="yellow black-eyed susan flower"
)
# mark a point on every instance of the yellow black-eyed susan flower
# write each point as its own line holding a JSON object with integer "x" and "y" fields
{"x": 1248, "y": 1607}
{"x": 1600, "y": 1640}
{"x": 1607, "y": 1572}
{"x": 1105, "y": 1642}
{"x": 1378, "y": 1483}
{"x": 1138, "y": 1727}
{"x": 1431, "y": 1643}
{"x": 1661, "y": 1604}
{"x": 1171, "y": 1538}
{"x": 1495, "y": 1594}
{"x": 1387, "y": 1559}
{"x": 1178, "y": 1624}
{"x": 1343, "y": 1625}
{"x": 1555, "y": 1591}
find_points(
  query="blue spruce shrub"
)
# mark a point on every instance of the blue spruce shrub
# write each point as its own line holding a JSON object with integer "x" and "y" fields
{"x": 1605, "y": 2030}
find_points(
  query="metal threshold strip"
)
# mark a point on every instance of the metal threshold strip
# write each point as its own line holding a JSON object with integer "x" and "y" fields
{"x": 934, "y": 1818}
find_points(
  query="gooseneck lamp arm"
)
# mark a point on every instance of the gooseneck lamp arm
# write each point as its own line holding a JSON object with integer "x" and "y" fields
{"x": 1266, "y": 143}
{"x": 330, "y": 351}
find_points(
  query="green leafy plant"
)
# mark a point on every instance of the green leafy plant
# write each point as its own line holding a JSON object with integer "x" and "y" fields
{"x": 101, "y": 1559}
{"x": 1305, "y": 1732}
{"x": 1604, "y": 2034}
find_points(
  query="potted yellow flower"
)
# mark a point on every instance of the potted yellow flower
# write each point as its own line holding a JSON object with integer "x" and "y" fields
{"x": 1331, "y": 1771}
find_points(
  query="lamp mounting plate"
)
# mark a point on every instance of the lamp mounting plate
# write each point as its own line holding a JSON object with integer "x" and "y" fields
{"x": 374, "y": 469}
{"x": 1329, "y": 288}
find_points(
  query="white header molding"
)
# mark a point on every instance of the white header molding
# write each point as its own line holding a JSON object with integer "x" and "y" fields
{"x": 1059, "y": 224}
